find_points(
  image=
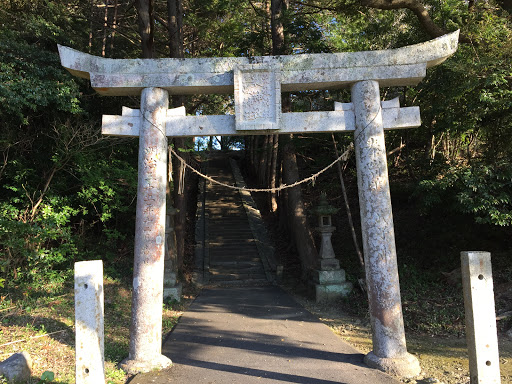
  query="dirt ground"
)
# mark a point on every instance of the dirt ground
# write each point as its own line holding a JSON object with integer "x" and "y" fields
{"x": 443, "y": 359}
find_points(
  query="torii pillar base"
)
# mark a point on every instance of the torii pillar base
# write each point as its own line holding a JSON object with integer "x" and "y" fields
{"x": 402, "y": 366}
{"x": 133, "y": 366}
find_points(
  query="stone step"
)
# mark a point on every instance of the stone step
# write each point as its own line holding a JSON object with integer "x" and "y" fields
{"x": 232, "y": 243}
{"x": 241, "y": 264}
{"x": 241, "y": 283}
{"x": 242, "y": 238}
{"x": 236, "y": 264}
{"x": 242, "y": 243}
{"x": 234, "y": 255}
{"x": 227, "y": 223}
{"x": 236, "y": 276}
{"x": 237, "y": 271}
{"x": 241, "y": 233}
{"x": 221, "y": 259}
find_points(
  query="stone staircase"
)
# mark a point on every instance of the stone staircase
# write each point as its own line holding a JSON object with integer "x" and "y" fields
{"x": 231, "y": 249}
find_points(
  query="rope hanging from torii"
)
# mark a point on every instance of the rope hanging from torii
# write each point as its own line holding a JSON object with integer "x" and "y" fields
{"x": 344, "y": 156}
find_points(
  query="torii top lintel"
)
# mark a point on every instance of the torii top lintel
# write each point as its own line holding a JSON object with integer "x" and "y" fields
{"x": 395, "y": 67}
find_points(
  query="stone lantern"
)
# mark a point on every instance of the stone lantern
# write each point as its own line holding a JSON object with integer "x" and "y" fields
{"x": 329, "y": 279}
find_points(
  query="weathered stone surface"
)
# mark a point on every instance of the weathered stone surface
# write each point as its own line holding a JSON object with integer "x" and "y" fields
{"x": 406, "y": 365}
{"x": 328, "y": 292}
{"x": 378, "y": 233}
{"x": 326, "y": 250}
{"x": 329, "y": 264}
{"x": 257, "y": 90}
{"x": 397, "y": 67}
{"x": 18, "y": 367}
{"x": 481, "y": 335}
{"x": 89, "y": 322}
{"x": 173, "y": 292}
{"x": 393, "y": 117}
{"x": 329, "y": 277}
{"x": 170, "y": 279}
{"x": 293, "y": 122}
{"x": 146, "y": 328}
{"x": 329, "y": 280}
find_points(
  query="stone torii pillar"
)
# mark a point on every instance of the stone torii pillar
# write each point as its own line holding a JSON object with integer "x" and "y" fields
{"x": 389, "y": 349}
{"x": 147, "y": 296}
{"x": 257, "y": 84}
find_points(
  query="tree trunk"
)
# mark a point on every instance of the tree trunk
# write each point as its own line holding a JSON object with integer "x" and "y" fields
{"x": 175, "y": 17}
{"x": 175, "y": 22}
{"x": 91, "y": 26}
{"x": 296, "y": 213}
{"x": 278, "y": 7}
{"x": 262, "y": 163}
{"x": 105, "y": 28}
{"x": 146, "y": 27}
{"x": 114, "y": 27}
{"x": 294, "y": 204}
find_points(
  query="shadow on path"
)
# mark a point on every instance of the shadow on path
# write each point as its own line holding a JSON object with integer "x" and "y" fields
{"x": 257, "y": 335}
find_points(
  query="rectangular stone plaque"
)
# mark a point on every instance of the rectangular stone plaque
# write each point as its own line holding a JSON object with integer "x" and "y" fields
{"x": 257, "y": 97}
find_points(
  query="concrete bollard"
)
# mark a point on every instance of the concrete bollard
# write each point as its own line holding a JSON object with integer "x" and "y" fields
{"x": 481, "y": 334}
{"x": 89, "y": 338}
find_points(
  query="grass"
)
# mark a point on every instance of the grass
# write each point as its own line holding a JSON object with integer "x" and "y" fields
{"x": 41, "y": 322}
{"x": 442, "y": 355}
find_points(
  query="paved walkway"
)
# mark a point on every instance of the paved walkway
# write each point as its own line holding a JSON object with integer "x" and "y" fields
{"x": 256, "y": 333}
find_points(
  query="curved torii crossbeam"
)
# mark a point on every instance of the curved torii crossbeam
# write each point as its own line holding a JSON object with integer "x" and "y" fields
{"x": 395, "y": 67}
{"x": 257, "y": 83}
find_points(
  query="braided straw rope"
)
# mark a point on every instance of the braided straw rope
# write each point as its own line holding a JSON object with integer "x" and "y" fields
{"x": 344, "y": 156}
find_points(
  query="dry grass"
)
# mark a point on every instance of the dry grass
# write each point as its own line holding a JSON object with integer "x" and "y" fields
{"x": 42, "y": 324}
{"x": 441, "y": 357}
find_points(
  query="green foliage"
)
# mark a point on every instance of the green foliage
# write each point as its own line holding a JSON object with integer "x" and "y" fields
{"x": 31, "y": 80}
{"x": 115, "y": 375}
{"x": 46, "y": 377}
{"x": 482, "y": 190}
{"x": 44, "y": 244}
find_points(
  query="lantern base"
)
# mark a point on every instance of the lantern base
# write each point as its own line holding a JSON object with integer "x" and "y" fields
{"x": 330, "y": 285}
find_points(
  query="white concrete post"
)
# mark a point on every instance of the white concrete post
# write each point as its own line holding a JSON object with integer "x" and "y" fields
{"x": 89, "y": 350}
{"x": 148, "y": 269}
{"x": 481, "y": 335}
{"x": 389, "y": 349}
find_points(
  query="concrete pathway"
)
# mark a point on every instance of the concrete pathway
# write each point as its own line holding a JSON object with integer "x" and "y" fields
{"x": 257, "y": 335}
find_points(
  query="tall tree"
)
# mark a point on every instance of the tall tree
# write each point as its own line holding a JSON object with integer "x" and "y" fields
{"x": 146, "y": 22}
{"x": 295, "y": 212}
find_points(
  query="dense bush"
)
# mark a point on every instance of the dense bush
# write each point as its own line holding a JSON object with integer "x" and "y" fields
{"x": 485, "y": 191}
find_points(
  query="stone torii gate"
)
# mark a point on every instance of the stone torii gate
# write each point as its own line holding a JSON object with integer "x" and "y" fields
{"x": 257, "y": 83}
